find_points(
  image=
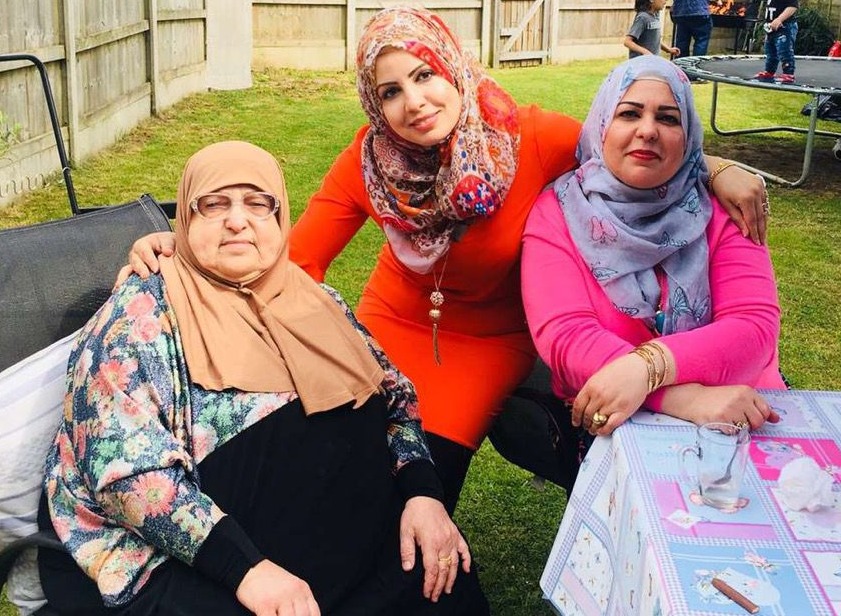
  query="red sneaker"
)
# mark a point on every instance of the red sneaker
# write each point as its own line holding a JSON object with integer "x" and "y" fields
{"x": 765, "y": 76}
{"x": 785, "y": 78}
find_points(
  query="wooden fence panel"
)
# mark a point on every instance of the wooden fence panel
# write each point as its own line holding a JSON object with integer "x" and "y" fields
{"x": 304, "y": 34}
{"x": 98, "y": 17}
{"x": 464, "y": 18}
{"x": 834, "y": 9}
{"x": 182, "y": 42}
{"x": 26, "y": 143}
{"x": 297, "y": 35}
{"x": 523, "y": 32}
{"x": 322, "y": 34}
{"x": 27, "y": 152}
{"x": 181, "y": 49}
{"x": 588, "y": 30}
{"x": 111, "y": 65}
{"x": 109, "y": 75}
{"x": 24, "y": 112}
{"x": 38, "y": 25}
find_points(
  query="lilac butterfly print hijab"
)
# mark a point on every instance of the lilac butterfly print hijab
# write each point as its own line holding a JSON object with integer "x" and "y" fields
{"x": 624, "y": 233}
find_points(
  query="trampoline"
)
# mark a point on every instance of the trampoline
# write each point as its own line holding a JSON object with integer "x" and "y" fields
{"x": 815, "y": 76}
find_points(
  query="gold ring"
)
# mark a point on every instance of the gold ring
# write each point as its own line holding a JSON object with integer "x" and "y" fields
{"x": 741, "y": 424}
{"x": 448, "y": 560}
{"x": 599, "y": 419}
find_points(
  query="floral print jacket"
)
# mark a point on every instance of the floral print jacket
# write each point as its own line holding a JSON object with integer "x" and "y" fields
{"x": 121, "y": 481}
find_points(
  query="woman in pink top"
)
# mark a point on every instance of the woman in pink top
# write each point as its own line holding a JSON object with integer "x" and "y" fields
{"x": 638, "y": 289}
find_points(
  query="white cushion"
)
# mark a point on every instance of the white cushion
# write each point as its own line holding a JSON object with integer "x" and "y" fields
{"x": 31, "y": 396}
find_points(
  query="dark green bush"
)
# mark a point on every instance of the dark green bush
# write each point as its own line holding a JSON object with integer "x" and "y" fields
{"x": 815, "y": 34}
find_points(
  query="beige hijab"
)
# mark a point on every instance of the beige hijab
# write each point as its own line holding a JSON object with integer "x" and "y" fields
{"x": 278, "y": 332}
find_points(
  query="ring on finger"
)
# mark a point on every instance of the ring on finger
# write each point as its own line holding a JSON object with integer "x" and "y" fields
{"x": 741, "y": 424}
{"x": 446, "y": 561}
{"x": 766, "y": 204}
{"x": 599, "y": 419}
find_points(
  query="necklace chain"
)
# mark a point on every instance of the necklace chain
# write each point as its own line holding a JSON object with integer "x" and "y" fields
{"x": 436, "y": 298}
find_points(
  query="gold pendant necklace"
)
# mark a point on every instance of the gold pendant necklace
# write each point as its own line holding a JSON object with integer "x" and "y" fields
{"x": 436, "y": 298}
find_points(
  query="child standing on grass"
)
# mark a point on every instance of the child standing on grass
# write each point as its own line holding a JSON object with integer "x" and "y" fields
{"x": 781, "y": 29}
{"x": 644, "y": 34}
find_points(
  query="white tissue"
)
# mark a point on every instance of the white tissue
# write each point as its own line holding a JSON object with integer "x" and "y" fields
{"x": 805, "y": 485}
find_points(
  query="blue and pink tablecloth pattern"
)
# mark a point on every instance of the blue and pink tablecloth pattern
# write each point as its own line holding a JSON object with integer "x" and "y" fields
{"x": 633, "y": 539}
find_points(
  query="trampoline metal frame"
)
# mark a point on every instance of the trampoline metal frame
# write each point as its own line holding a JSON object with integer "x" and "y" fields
{"x": 689, "y": 64}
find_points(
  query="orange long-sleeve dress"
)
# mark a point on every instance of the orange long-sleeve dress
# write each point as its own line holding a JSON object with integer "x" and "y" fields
{"x": 484, "y": 343}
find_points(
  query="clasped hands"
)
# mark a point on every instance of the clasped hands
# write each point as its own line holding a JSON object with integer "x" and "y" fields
{"x": 619, "y": 389}
{"x": 612, "y": 394}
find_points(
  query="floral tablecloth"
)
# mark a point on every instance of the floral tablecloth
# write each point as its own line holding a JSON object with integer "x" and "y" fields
{"x": 633, "y": 539}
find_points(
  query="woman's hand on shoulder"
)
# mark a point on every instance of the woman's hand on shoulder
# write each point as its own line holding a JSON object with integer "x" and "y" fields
{"x": 426, "y": 524}
{"x": 270, "y": 590}
{"x": 743, "y": 196}
{"x": 143, "y": 256}
{"x": 728, "y": 404}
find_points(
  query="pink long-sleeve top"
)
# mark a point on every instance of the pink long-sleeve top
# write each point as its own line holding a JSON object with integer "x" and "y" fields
{"x": 577, "y": 330}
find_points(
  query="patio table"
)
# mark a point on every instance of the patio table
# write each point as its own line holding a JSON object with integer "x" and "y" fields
{"x": 634, "y": 539}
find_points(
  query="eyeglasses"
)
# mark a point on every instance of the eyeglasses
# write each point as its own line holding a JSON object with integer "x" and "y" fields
{"x": 257, "y": 205}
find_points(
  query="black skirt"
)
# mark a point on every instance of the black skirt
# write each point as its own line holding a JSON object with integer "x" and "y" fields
{"x": 316, "y": 496}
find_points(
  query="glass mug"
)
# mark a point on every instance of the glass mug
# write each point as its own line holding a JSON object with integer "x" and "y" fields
{"x": 721, "y": 454}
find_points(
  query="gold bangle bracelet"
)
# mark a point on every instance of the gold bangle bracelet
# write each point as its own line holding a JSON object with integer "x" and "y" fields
{"x": 724, "y": 164}
{"x": 657, "y": 370}
{"x": 662, "y": 354}
{"x": 650, "y": 366}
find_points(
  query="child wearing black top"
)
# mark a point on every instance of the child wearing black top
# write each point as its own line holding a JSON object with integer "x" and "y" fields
{"x": 781, "y": 32}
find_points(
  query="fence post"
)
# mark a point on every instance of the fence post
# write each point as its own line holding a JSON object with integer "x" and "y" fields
{"x": 551, "y": 18}
{"x": 496, "y": 30}
{"x": 229, "y": 43}
{"x": 487, "y": 33}
{"x": 72, "y": 78}
{"x": 350, "y": 35}
{"x": 152, "y": 54}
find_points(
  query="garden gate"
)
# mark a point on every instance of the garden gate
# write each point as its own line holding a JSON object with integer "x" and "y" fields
{"x": 525, "y": 31}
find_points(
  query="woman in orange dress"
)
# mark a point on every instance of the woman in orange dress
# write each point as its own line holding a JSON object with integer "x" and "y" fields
{"x": 449, "y": 168}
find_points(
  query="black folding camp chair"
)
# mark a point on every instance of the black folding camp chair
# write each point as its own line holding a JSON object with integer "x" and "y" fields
{"x": 53, "y": 278}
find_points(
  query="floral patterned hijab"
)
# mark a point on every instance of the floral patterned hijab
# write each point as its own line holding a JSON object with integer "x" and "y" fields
{"x": 624, "y": 233}
{"x": 418, "y": 192}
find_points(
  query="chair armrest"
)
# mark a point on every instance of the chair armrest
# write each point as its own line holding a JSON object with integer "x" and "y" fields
{"x": 10, "y": 553}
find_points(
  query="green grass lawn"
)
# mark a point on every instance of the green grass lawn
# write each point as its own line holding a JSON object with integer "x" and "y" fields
{"x": 306, "y": 118}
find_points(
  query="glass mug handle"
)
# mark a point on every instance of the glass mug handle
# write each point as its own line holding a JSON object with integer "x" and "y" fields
{"x": 685, "y": 476}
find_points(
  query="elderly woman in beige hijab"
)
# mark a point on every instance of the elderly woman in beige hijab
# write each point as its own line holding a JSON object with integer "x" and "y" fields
{"x": 235, "y": 442}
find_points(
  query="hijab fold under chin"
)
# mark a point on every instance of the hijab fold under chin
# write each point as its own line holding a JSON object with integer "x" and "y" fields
{"x": 279, "y": 332}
